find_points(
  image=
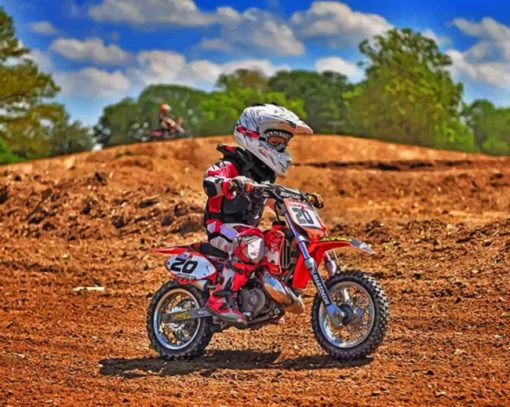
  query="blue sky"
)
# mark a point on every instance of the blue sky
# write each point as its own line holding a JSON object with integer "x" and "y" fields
{"x": 100, "y": 51}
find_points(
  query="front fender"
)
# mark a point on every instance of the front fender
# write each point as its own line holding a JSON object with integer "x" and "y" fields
{"x": 317, "y": 249}
{"x": 331, "y": 242}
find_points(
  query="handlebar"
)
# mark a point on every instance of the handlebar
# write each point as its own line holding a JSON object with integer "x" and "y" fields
{"x": 277, "y": 192}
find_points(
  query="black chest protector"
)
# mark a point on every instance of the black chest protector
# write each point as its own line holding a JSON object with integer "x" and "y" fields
{"x": 245, "y": 209}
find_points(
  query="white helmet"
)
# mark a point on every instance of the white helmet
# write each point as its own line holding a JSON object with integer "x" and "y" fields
{"x": 265, "y": 130}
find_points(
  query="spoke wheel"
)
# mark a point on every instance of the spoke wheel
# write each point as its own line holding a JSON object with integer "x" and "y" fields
{"x": 366, "y": 316}
{"x": 175, "y": 340}
{"x": 175, "y": 335}
{"x": 359, "y": 319}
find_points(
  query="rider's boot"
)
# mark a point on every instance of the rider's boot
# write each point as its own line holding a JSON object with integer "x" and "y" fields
{"x": 222, "y": 299}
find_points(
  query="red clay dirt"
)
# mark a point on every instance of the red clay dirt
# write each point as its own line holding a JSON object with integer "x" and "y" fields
{"x": 439, "y": 221}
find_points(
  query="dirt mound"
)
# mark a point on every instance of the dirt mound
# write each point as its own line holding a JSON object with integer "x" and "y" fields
{"x": 76, "y": 275}
{"x": 406, "y": 165}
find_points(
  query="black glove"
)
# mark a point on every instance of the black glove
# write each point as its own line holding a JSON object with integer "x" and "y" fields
{"x": 241, "y": 184}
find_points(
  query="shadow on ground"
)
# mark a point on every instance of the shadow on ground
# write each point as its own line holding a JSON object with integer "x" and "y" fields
{"x": 220, "y": 359}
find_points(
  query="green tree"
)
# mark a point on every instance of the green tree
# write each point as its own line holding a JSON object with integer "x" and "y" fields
{"x": 222, "y": 109}
{"x": 242, "y": 78}
{"x": 69, "y": 137}
{"x": 408, "y": 95}
{"x": 6, "y": 157}
{"x": 322, "y": 94}
{"x": 236, "y": 91}
{"x": 119, "y": 124}
{"x": 26, "y": 113}
{"x": 130, "y": 120}
{"x": 184, "y": 103}
{"x": 490, "y": 125}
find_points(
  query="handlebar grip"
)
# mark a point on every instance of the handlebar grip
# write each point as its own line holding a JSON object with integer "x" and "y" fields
{"x": 240, "y": 186}
{"x": 232, "y": 186}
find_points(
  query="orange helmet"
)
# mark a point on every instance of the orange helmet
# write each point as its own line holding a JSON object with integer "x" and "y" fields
{"x": 164, "y": 108}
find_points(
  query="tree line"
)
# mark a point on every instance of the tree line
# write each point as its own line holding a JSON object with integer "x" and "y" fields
{"x": 32, "y": 124}
{"x": 407, "y": 96}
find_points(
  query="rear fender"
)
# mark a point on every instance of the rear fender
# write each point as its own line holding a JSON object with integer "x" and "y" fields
{"x": 171, "y": 250}
{"x": 317, "y": 249}
{"x": 186, "y": 265}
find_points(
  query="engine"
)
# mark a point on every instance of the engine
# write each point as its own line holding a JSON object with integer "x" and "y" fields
{"x": 267, "y": 292}
{"x": 252, "y": 301}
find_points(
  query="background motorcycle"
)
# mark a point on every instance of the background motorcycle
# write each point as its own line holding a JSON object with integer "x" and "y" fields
{"x": 349, "y": 314}
{"x": 161, "y": 134}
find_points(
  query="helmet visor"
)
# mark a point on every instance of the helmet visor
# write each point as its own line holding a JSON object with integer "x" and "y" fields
{"x": 278, "y": 140}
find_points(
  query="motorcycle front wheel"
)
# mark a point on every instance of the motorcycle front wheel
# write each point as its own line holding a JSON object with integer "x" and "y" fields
{"x": 366, "y": 311}
{"x": 178, "y": 340}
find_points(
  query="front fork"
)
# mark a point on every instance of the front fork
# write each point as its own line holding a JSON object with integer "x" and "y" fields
{"x": 331, "y": 266}
{"x": 335, "y": 314}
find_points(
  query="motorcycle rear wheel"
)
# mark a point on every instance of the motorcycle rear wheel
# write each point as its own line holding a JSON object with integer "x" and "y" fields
{"x": 367, "y": 311}
{"x": 178, "y": 340}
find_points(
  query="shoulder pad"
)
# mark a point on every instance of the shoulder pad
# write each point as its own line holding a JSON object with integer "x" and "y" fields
{"x": 225, "y": 149}
{"x": 233, "y": 152}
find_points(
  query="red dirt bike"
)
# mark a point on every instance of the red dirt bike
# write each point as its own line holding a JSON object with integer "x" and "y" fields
{"x": 350, "y": 311}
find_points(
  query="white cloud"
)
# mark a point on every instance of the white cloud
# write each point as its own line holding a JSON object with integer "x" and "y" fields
{"x": 336, "y": 24}
{"x": 254, "y": 32}
{"x": 493, "y": 73}
{"x": 182, "y": 13}
{"x": 486, "y": 28}
{"x": 93, "y": 82}
{"x": 215, "y": 44}
{"x": 42, "y": 59}
{"x": 171, "y": 67}
{"x": 149, "y": 67}
{"x": 494, "y": 39}
{"x": 43, "y": 28}
{"x": 488, "y": 60}
{"x": 337, "y": 64}
{"x": 263, "y": 65}
{"x": 205, "y": 72}
{"x": 201, "y": 72}
{"x": 439, "y": 40}
{"x": 158, "y": 66}
{"x": 91, "y": 50}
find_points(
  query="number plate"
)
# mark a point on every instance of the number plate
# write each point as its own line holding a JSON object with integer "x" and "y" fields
{"x": 189, "y": 266}
{"x": 304, "y": 216}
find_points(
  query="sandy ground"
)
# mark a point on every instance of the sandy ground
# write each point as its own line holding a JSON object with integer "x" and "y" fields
{"x": 439, "y": 221}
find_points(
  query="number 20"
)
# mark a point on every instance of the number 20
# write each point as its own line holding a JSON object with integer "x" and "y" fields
{"x": 303, "y": 217}
{"x": 181, "y": 265}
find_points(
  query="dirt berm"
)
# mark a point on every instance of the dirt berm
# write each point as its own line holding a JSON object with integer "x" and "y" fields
{"x": 439, "y": 222}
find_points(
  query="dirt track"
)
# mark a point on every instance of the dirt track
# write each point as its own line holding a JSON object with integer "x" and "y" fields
{"x": 439, "y": 221}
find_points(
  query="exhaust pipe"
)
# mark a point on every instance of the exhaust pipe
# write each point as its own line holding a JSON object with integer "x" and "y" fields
{"x": 282, "y": 294}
